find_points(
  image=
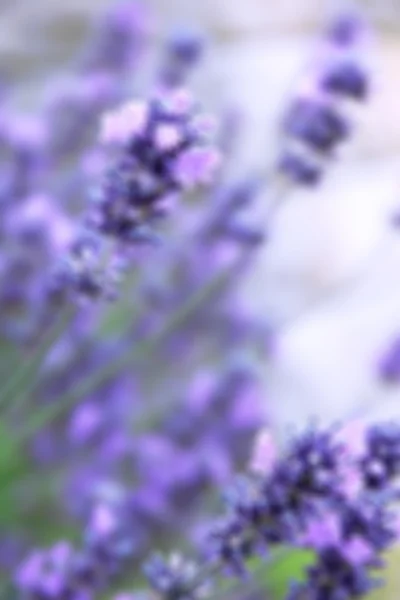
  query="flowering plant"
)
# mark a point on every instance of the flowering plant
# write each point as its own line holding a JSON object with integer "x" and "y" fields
{"x": 132, "y": 390}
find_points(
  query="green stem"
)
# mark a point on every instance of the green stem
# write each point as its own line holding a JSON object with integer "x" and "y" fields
{"x": 47, "y": 414}
{"x": 23, "y": 379}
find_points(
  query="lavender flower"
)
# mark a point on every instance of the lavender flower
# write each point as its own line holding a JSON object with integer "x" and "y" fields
{"x": 37, "y": 150}
{"x": 303, "y": 500}
{"x": 163, "y": 150}
{"x": 320, "y": 119}
{"x": 271, "y": 510}
{"x": 348, "y": 546}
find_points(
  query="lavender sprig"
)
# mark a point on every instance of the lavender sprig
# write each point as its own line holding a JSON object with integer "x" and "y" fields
{"x": 318, "y": 496}
{"x": 161, "y": 149}
{"x": 321, "y": 116}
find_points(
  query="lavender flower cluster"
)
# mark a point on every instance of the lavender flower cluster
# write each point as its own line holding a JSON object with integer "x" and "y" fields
{"x": 322, "y": 116}
{"x": 76, "y": 404}
{"x": 161, "y": 150}
{"x": 132, "y": 414}
{"x": 332, "y": 492}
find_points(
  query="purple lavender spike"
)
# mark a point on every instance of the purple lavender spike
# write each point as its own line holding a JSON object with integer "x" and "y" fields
{"x": 160, "y": 152}
{"x": 318, "y": 121}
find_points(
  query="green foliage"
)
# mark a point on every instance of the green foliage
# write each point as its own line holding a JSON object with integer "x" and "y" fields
{"x": 12, "y": 466}
{"x": 289, "y": 565}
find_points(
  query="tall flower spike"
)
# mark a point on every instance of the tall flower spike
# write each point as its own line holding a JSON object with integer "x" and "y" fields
{"x": 159, "y": 149}
{"x": 320, "y": 117}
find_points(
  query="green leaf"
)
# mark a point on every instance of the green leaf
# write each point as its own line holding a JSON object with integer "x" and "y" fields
{"x": 12, "y": 465}
{"x": 286, "y": 566}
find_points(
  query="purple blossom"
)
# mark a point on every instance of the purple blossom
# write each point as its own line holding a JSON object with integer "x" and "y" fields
{"x": 380, "y": 461}
{"x": 319, "y": 120}
{"x": 300, "y": 500}
{"x": 161, "y": 149}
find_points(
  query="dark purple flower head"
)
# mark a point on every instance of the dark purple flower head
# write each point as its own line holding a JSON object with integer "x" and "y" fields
{"x": 313, "y": 465}
{"x": 273, "y": 507}
{"x": 163, "y": 148}
{"x": 380, "y": 462}
{"x": 305, "y": 499}
{"x": 348, "y": 543}
{"x": 318, "y": 126}
{"x": 346, "y": 79}
{"x": 335, "y": 576}
{"x": 298, "y": 167}
{"x": 351, "y": 533}
{"x": 369, "y": 521}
